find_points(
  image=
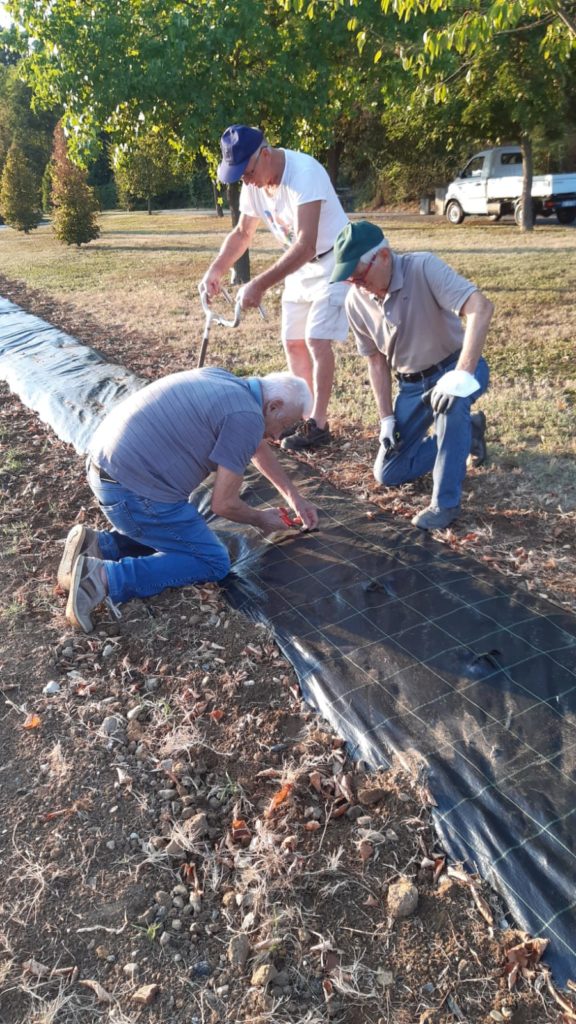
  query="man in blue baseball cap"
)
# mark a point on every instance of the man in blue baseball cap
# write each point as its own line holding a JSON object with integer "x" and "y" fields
{"x": 415, "y": 317}
{"x": 292, "y": 194}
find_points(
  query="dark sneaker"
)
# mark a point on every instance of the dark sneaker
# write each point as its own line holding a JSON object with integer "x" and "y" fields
{"x": 307, "y": 435}
{"x": 478, "y": 451}
{"x": 80, "y": 541}
{"x": 290, "y": 430}
{"x": 433, "y": 518}
{"x": 87, "y": 591}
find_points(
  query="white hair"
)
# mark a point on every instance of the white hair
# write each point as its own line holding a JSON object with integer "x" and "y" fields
{"x": 290, "y": 389}
{"x": 384, "y": 244}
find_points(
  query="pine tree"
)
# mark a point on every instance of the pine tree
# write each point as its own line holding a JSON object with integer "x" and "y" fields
{"x": 19, "y": 192}
{"x": 75, "y": 206}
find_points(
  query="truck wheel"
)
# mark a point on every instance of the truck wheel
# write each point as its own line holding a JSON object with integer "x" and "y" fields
{"x": 518, "y": 213}
{"x": 454, "y": 212}
{"x": 566, "y": 214}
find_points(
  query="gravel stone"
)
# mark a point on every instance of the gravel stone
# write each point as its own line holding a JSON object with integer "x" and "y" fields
{"x": 402, "y": 898}
{"x": 238, "y": 951}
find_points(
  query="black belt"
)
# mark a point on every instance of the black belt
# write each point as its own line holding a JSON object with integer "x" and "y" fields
{"x": 412, "y": 378}
{"x": 104, "y": 476}
{"x": 321, "y": 255}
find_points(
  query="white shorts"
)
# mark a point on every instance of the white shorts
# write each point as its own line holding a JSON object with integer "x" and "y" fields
{"x": 312, "y": 308}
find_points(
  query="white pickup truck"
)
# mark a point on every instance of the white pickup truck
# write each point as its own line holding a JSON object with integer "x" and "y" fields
{"x": 491, "y": 185}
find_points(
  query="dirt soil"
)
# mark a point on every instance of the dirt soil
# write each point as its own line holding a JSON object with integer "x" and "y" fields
{"x": 181, "y": 839}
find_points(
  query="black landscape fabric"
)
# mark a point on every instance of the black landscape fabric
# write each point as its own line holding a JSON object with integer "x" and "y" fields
{"x": 407, "y": 648}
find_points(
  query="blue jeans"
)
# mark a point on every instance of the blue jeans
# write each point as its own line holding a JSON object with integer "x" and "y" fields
{"x": 444, "y": 453}
{"x": 154, "y": 544}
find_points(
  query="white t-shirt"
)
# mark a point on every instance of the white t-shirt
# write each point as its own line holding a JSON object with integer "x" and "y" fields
{"x": 304, "y": 181}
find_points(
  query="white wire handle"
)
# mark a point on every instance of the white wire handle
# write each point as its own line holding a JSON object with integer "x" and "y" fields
{"x": 215, "y": 318}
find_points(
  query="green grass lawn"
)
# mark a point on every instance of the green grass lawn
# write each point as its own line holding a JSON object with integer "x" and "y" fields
{"x": 141, "y": 277}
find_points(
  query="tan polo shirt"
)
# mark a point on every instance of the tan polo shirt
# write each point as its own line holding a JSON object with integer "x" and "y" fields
{"x": 417, "y": 324}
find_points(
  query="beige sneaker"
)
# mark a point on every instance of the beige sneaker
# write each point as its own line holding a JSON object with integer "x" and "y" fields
{"x": 88, "y": 589}
{"x": 80, "y": 541}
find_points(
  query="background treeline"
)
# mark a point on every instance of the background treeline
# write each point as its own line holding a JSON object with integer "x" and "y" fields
{"x": 391, "y": 96}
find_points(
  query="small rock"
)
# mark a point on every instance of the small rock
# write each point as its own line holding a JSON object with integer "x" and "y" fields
{"x": 102, "y": 952}
{"x": 110, "y": 845}
{"x": 165, "y": 939}
{"x": 134, "y": 712}
{"x": 146, "y": 994}
{"x": 131, "y": 970}
{"x": 238, "y": 950}
{"x": 201, "y": 969}
{"x": 402, "y": 898}
{"x": 176, "y": 924}
{"x": 112, "y": 725}
{"x": 198, "y": 826}
{"x": 152, "y": 683}
{"x": 371, "y": 796}
{"x": 51, "y": 688}
{"x": 263, "y": 975}
{"x": 174, "y": 849}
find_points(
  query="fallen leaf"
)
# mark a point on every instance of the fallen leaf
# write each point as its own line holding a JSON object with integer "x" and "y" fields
{"x": 240, "y": 832}
{"x": 312, "y": 826}
{"x": 371, "y": 901}
{"x": 365, "y": 850}
{"x": 330, "y": 960}
{"x": 36, "y": 968}
{"x": 315, "y": 780}
{"x": 216, "y": 715}
{"x": 328, "y": 989}
{"x": 339, "y": 808}
{"x": 279, "y": 798}
{"x": 101, "y": 994}
{"x": 32, "y": 722}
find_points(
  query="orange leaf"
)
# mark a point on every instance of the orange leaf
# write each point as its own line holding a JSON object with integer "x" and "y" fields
{"x": 365, "y": 850}
{"x": 32, "y": 722}
{"x": 216, "y": 715}
{"x": 279, "y": 798}
{"x": 240, "y": 831}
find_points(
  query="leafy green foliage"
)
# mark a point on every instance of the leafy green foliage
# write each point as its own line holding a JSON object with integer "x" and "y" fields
{"x": 74, "y": 203}
{"x": 147, "y": 166}
{"x": 19, "y": 192}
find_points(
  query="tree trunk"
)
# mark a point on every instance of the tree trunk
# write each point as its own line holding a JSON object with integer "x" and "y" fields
{"x": 527, "y": 174}
{"x": 333, "y": 155}
{"x": 217, "y": 205}
{"x": 149, "y": 206}
{"x": 241, "y": 269}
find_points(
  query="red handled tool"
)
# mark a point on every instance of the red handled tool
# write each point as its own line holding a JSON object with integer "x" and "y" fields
{"x": 289, "y": 519}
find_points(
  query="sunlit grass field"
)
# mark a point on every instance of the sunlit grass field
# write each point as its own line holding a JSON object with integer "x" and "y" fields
{"x": 141, "y": 277}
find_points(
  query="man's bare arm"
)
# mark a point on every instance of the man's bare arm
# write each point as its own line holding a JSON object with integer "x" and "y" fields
{"x": 302, "y": 250}
{"x": 478, "y": 311}
{"x": 381, "y": 382}
{"x": 233, "y": 247}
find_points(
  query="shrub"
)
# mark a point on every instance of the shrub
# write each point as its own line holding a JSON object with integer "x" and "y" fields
{"x": 75, "y": 206}
{"x": 19, "y": 192}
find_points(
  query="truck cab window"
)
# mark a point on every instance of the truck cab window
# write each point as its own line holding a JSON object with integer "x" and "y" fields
{"x": 473, "y": 168}
{"x": 506, "y": 159}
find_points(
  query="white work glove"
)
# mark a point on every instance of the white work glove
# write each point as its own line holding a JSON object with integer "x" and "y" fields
{"x": 454, "y": 384}
{"x": 388, "y": 434}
